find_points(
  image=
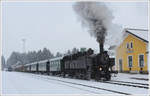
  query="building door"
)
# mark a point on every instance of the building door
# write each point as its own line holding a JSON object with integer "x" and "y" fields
{"x": 120, "y": 65}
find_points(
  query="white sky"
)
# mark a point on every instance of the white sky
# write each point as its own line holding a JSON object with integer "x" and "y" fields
{"x": 56, "y": 26}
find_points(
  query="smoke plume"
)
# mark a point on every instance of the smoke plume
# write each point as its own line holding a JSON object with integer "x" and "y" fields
{"x": 98, "y": 19}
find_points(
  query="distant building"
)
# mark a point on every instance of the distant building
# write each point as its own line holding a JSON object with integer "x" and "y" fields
{"x": 132, "y": 53}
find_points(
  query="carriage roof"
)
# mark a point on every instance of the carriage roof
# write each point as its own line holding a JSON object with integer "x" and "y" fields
{"x": 57, "y": 58}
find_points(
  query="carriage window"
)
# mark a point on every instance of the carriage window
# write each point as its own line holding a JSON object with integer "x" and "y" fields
{"x": 52, "y": 63}
{"x": 130, "y": 61}
{"x": 58, "y": 62}
{"x": 141, "y": 60}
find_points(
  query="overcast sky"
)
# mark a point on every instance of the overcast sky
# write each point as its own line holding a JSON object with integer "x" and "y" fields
{"x": 55, "y": 25}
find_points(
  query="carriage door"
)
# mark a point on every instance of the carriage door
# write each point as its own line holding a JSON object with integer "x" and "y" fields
{"x": 120, "y": 65}
{"x": 48, "y": 66}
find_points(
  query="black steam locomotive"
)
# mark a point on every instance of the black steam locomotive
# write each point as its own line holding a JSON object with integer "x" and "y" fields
{"x": 82, "y": 65}
{"x": 86, "y": 65}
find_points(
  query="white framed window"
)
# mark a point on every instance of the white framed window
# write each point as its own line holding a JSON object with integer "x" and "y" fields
{"x": 127, "y": 45}
{"x": 130, "y": 61}
{"x": 141, "y": 60}
{"x": 131, "y": 45}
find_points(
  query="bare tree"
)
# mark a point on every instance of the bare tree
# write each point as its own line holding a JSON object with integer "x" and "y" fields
{"x": 58, "y": 54}
{"x": 74, "y": 50}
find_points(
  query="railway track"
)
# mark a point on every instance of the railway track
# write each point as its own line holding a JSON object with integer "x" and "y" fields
{"x": 127, "y": 84}
{"x": 130, "y": 82}
{"x": 123, "y": 83}
{"x": 139, "y": 78}
{"x": 89, "y": 86}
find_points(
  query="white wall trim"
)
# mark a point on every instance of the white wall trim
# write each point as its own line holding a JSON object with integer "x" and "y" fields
{"x": 119, "y": 64}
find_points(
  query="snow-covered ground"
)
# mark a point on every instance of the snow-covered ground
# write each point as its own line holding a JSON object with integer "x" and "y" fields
{"x": 128, "y": 77}
{"x": 27, "y": 83}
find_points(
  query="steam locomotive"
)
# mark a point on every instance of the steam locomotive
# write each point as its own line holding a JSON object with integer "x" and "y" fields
{"x": 86, "y": 65}
{"x": 81, "y": 65}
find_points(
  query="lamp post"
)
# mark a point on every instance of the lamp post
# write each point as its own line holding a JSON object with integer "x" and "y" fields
{"x": 23, "y": 43}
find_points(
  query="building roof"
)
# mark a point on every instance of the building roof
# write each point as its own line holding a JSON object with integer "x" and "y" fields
{"x": 139, "y": 33}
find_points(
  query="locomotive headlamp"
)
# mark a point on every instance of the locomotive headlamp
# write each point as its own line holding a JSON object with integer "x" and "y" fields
{"x": 100, "y": 68}
{"x": 109, "y": 69}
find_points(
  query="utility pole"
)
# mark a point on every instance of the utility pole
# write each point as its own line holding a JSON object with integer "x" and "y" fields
{"x": 23, "y": 45}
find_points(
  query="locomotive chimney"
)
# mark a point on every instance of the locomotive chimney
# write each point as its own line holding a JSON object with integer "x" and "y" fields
{"x": 100, "y": 40}
{"x": 101, "y": 47}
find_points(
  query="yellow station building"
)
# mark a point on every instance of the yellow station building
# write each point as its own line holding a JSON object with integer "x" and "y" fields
{"x": 132, "y": 53}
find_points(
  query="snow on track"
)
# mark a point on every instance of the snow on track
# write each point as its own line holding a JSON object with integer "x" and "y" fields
{"x": 120, "y": 88}
{"x": 25, "y": 83}
{"x": 128, "y": 77}
{"x": 28, "y": 83}
{"x": 85, "y": 85}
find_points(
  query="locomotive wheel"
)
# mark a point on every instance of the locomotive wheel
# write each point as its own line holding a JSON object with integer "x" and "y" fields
{"x": 108, "y": 77}
{"x": 97, "y": 78}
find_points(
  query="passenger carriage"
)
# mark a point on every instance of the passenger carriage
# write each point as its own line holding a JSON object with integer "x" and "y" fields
{"x": 43, "y": 67}
{"x": 32, "y": 67}
{"x": 56, "y": 66}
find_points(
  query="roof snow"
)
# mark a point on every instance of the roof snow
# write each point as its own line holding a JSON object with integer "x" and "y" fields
{"x": 140, "y": 33}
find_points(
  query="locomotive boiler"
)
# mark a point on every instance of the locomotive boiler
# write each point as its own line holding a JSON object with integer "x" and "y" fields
{"x": 78, "y": 65}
